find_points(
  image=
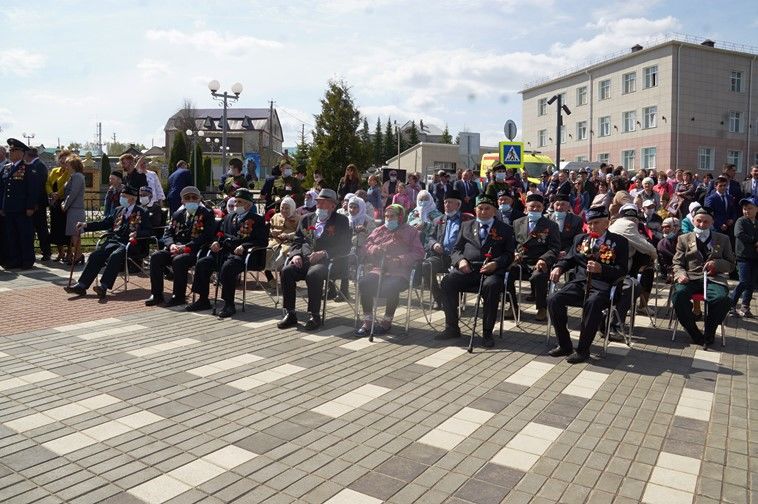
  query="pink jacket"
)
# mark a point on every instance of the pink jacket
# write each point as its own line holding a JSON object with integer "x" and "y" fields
{"x": 402, "y": 249}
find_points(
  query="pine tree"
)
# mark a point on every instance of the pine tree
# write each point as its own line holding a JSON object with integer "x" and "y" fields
{"x": 105, "y": 169}
{"x": 178, "y": 151}
{"x": 197, "y": 158}
{"x": 336, "y": 142}
{"x": 302, "y": 156}
{"x": 446, "y": 138}
{"x": 378, "y": 149}
{"x": 390, "y": 141}
{"x": 413, "y": 134}
{"x": 204, "y": 181}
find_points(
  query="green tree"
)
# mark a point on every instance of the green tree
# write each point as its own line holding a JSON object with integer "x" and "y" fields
{"x": 204, "y": 177}
{"x": 199, "y": 157}
{"x": 390, "y": 141}
{"x": 378, "y": 149}
{"x": 178, "y": 151}
{"x": 105, "y": 169}
{"x": 446, "y": 138}
{"x": 336, "y": 142}
{"x": 74, "y": 146}
{"x": 302, "y": 157}
{"x": 413, "y": 134}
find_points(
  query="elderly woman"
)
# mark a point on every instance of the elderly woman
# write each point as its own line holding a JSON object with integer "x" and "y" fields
{"x": 282, "y": 233}
{"x": 73, "y": 205}
{"x": 309, "y": 205}
{"x": 603, "y": 196}
{"x": 390, "y": 253}
{"x": 361, "y": 226}
{"x": 370, "y": 208}
{"x": 424, "y": 216}
{"x": 343, "y": 208}
{"x": 647, "y": 193}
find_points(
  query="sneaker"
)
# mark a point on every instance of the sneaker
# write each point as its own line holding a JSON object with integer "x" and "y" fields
{"x": 733, "y": 312}
{"x": 746, "y": 313}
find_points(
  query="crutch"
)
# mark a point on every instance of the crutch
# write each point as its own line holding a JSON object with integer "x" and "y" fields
{"x": 220, "y": 236}
{"x": 74, "y": 257}
{"x": 487, "y": 257}
{"x": 376, "y": 298}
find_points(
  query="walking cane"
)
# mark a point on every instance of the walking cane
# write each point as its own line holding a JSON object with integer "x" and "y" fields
{"x": 220, "y": 236}
{"x": 75, "y": 256}
{"x": 376, "y": 298}
{"x": 487, "y": 258}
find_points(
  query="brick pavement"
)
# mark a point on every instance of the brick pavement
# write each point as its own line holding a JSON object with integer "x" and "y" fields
{"x": 119, "y": 403}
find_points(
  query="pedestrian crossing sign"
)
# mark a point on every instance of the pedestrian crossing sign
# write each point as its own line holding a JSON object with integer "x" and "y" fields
{"x": 511, "y": 154}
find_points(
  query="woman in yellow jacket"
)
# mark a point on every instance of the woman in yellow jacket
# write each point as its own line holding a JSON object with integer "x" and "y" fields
{"x": 56, "y": 179}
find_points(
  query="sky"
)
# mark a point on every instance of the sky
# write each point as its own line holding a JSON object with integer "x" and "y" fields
{"x": 66, "y": 65}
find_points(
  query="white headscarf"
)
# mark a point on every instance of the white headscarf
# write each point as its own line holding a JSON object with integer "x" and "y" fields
{"x": 310, "y": 195}
{"x": 360, "y": 218}
{"x": 424, "y": 207}
{"x": 287, "y": 201}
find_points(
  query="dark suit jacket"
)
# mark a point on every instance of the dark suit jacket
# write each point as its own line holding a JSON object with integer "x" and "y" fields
{"x": 177, "y": 181}
{"x": 747, "y": 188}
{"x": 543, "y": 243}
{"x": 473, "y": 192}
{"x": 572, "y": 226}
{"x": 135, "y": 179}
{"x": 40, "y": 174}
{"x": 247, "y": 230}
{"x": 612, "y": 269}
{"x": 335, "y": 239}
{"x": 121, "y": 228}
{"x": 499, "y": 242}
{"x": 734, "y": 189}
{"x": 438, "y": 233}
{"x": 195, "y": 232}
{"x": 440, "y": 190}
{"x": 721, "y": 213}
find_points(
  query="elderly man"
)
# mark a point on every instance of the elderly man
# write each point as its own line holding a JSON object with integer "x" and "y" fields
{"x": 601, "y": 259}
{"x": 702, "y": 252}
{"x": 191, "y": 230}
{"x": 320, "y": 236}
{"x": 240, "y": 231}
{"x": 538, "y": 244}
{"x": 128, "y": 223}
{"x": 19, "y": 195}
{"x": 569, "y": 225}
{"x": 667, "y": 247}
{"x": 485, "y": 246}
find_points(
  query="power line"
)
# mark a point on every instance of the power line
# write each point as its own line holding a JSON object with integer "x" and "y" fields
{"x": 295, "y": 117}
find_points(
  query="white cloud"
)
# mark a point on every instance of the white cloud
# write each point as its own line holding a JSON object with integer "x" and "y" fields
{"x": 151, "y": 69}
{"x": 212, "y": 42}
{"x": 20, "y": 61}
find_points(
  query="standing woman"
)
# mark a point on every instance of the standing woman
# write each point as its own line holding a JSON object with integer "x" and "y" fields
{"x": 350, "y": 183}
{"x": 55, "y": 181}
{"x": 73, "y": 205}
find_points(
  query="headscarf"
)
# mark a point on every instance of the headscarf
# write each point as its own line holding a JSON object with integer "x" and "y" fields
{"x": 360, "y": 218}
{"x": 400, "y": 210}
{"x": 310, "y": 196}
{"x": 290, "y": 203}
{"x": 230, "y": 204}
{"x": 693, "y": 206}
{"x": 425, "y": 207}
{"x": 347, "y": 197}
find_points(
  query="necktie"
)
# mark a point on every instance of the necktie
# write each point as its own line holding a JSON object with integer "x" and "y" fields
{"x": 483, "y": 232}
{"x": 725, "y": 205}
{"x": 755, "y": 188}
{"x": 466, "y": 184}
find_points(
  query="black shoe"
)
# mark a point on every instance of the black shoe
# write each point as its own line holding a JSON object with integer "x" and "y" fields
{"x": 709, "y": 340}
{"x": 363, "y": 330}
{"x": 576, "y": 358}
{"x": 46, "y": 258}
{"x": 289, "y": 320}
{"x": 314, "y": 322}
{"x": 698, "y": 317}
{"x": 488, "y": 341}
{"x": 77, "y": 289}
{"x": 168, "y": 275}
{"x": 380, "y": 330}
{"x": 100, "y": 291}
{"x": 449, "y": 333}
{"x": 153, "y": 300}
{"x": 530, "y": 298}
{"x": 227, "y": 311}
{"x": 559, "y": 351}
{"x": 199, "y": 305}
{"x": 175, "y": 301}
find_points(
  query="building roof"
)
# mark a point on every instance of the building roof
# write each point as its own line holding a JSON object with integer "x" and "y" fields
{"x": 237, "y": 119}
{"x": 155, "y": 151}
{"x": 429, "y": 129}
{"x": 649, "y": 45}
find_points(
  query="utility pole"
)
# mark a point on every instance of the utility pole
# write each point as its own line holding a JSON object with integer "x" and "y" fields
{"x": 99, "y": 133}
{"x": 559, "y": 123}
{"x": 271, "y": 131}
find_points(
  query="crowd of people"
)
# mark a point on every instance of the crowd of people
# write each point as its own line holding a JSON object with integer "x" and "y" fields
{"x": 585, "y": 231}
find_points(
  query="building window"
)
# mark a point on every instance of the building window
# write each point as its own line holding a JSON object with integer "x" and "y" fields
{"x": 604, "y": 89}
{"x": 563, "y": 134}
{"x": 705, "y": 158}
{"x": 650, "y": 115}
{"x": 734, "y": 157}
{"x": 735, "y": 81}
{"x": 735, "y": 122}
{"x": 444, "y": 165}
{"x": 629, "y": 82}
{"x": 627, "y": 160}
{"x": 630, "y": 121}
{"x": 542, "y": 106}
{"x": 651, "y": 76}
{"x": 581, "y": 159}
{"x": 581, "y": 95}
{"x": 604, "y": 126}
{"x": 604, "y": 157}
{"x": 648, "y": 158}
{"x": 581, "y": 130}
{"x": 542, "y": 138}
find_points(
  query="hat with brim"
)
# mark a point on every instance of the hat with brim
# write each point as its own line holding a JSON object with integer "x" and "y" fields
{"x": 748, "y": 201}
{"x": 598, "y": 212}
{"x": 485, "y": 200}
{"x": 327, "y": 194}
{"x": 146, "y": 189}
{"x": 648, "y": 203}
{"x": 130, "y": 191}
{"x": 17, "y": 144}
{"x": 629, "y": 210}
{"x": 190, "y": 190}
{"x": 498, "y": 167}
{"x": 244, "y": 194}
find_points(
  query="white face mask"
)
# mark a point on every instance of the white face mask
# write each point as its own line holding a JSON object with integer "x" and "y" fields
{"x": 144, "y": 200}
{"x": 703, "y": 234}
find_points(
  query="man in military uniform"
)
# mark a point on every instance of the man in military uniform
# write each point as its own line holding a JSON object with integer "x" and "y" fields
{"x": 601, "y": 259}
{"x": 569, "y": 225}
{"x": 537, "y": 247}
{"x": 19, "y": 194}
{"x": 320, "y": 236}
{"x": 288, "y": 185}
{"x": 485, "y": 239}
{"x": 129, "y": 223}
{"x": 39, "y": 218}
{"x": 192, "y": 228}
{"x": 240, "y": 231}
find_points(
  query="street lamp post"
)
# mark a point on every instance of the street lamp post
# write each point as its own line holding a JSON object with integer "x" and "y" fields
{"x": 28, "y": 138}
{"x": 560, "y": 106}
{"x": 194, "y": 135}
{"x": 224, "y": 97}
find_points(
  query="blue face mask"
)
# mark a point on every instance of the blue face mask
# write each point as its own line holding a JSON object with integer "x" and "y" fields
{"x": 391, "y": 224}
{"x": 123, "y": 201}
{"x": 499, "y": 176}
{"x": 560, "y": 215}
{"x": 191, "y": 207}
{"x": 534, "y": 216}
{"x": 505, "y": 207}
